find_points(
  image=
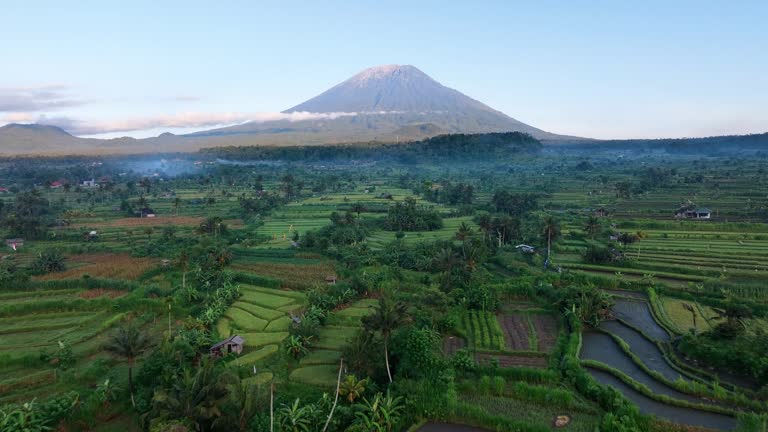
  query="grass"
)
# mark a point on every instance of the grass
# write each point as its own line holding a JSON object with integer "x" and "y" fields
{"x": 318, "y": 375}
{"x": 533, "y": 412}
{"x": 244, "y": 320}
{"x": 259, "y": 354}
{"x": 681, "y": 318}
{"x": 269, "y": 301}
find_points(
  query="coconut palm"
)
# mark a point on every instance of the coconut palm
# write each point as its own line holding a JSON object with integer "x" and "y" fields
{"x": 353, "y": 388}
{"x": 386, "y": 317}
{"x": 176, "y": 205}
{"x": 128, "y": 343}
{"x": 592, "y": 227}
{"x": 197, "y": 396}
{"x": 551, "y": 233}
{"x": 464, "y": 232}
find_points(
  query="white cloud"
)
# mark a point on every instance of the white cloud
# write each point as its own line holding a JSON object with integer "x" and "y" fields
{"x": 189, "y": 120}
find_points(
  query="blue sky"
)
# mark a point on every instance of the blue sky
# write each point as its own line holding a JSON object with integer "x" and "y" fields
{"x": 605, "y": 69}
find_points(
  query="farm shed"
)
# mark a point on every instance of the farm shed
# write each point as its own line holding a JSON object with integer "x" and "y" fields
{"x": 689, "y": 212}
{"x": 331, "y": 280}
{"x": 232, "y": 344}
{"x": 525, "y": 248}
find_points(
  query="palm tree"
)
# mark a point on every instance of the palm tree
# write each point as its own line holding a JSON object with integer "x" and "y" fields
{"x": 353, "y": 388}
{"x": 387, "y": 316}
{"x": 592, "y": 226}
{"x": 551, "y": 233}
{"x": 176, "y": 205}
{"x": 247, "y": 400}
{"x": 464, "y": 232}
{"x": 128, "y": 343}
{"x": 183, "y": 262}
{"x": 196, "y": 396}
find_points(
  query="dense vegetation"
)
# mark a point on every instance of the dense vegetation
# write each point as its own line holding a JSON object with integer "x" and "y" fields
{"x": 510, "y": 287}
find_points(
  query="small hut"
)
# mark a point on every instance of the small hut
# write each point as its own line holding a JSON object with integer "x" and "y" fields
{"x": 331, "y": 280}
{"x": 524, "y": 248}
{"x": 232, "y": 344}
{"x": 165, "y": 263}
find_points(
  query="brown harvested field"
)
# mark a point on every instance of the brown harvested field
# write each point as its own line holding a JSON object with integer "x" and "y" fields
{"x": 546, "y": 331}
{"x": 451, "y": 344}
{"x": 111, "y": 266}
{"x": 506, "y": 360}
{"x": 296, "y": 276}
{"x": 133, "y": 222}
{"x": 515, "y": 328}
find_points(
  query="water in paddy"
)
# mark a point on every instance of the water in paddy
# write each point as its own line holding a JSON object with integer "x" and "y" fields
{"x": 675, "y": 414}
{"x": 638, "y": 314}
{"x": 602, "y": 348}
{"x": 646, "y": 350}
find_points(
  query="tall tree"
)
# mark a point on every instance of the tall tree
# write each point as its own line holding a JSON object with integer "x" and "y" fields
{"x": 128, "y": 342}
{"x": 551, "y": 233}
{"x": 592, "y": 226}
{"x": 386, "y": 317}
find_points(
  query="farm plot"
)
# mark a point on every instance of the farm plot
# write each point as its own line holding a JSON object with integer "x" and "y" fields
{"x": 380, "y": 239}
{"x": 293, "y": 274}
{"x": 510, "y": 361}
{"x": 482, "y": 331}
{"x": 687, "y": 315}
{"x": 451, "y": 344}
{"x": 320, "y": 367}
{"x": 528, "y": 332}
{"x": 638, "y": 314}
{"x": 262, "y": 317}
{"x": 112, "y": 266}
{"x": 83, "y": 327}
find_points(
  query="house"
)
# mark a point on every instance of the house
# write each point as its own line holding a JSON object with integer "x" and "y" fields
{"x": 691, "y": 212}
{"x": 232, "y": 344}
{"x": 92, "y": 235}
{"x": 524, "y": 248}
{"x": 331, "y": 280}
{"x": 165, "y": 263}
{"x": 57, "y": 184}
{"x": 89, "y": 183}
{"x": 14, "y": 243}
{"x": 4, "y": 190}
{"x": 146, "y": 212}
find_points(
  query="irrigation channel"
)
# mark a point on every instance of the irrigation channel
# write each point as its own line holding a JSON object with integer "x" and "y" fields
{"x": 447, "y": 427}
{"x": 632, "y": 313}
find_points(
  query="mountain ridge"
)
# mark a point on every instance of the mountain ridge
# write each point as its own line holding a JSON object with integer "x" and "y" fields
{"x": 390, "y": 103}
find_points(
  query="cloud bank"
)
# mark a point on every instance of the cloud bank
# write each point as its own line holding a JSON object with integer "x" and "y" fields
{"x": 35, "y": 99}
{"x": 189, "y": 120}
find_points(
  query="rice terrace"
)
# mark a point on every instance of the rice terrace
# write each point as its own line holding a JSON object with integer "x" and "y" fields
{"x": 184, "y": 248}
